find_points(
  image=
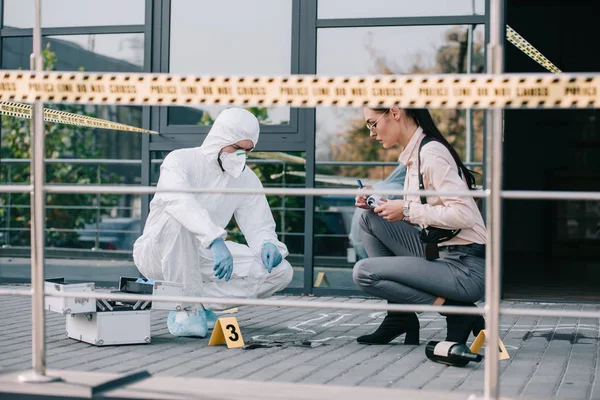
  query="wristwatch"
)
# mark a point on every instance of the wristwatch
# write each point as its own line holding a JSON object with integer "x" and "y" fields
{"x": 406, "y": 211}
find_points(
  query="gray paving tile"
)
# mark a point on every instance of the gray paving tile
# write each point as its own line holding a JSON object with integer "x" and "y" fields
{"x": 549, "y": 356}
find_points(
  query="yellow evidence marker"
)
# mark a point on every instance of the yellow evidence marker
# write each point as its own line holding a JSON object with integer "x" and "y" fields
{"x": 480, "y": 340}
{"x": 321, "y": 279}
{"x": 227, "y": 331}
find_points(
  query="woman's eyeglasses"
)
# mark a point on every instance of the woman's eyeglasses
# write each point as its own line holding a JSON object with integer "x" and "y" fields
{"x": 371, "y": 126}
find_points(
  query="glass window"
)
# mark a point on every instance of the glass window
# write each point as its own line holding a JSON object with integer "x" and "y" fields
{"x": 398, "y": 50}
{"x": 344, "y": 150}
{"x": 232, "y": 37}
{"x": 69, "y": 13}
{"x": 398, "y": 8}
{"x": 119, "y": 52}
{"x": 99, "y": 222}
{"x": 72, "y": 222}
{"x": 578, "y": 220}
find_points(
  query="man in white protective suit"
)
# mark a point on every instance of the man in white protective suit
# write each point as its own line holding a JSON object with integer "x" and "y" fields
{"x": 183, "y": 239}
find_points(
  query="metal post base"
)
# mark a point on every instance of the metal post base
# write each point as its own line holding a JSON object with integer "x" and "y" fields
{"x": 34, "y": 377}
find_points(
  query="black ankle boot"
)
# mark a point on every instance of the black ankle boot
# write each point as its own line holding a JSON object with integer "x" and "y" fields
{"x": 394, "y": 325}
{"x": 460, "y": 326}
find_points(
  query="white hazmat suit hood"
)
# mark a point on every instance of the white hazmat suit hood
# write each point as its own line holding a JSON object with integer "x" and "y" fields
{"x": 180, "y": 228}
{"x": 231, "y": 126}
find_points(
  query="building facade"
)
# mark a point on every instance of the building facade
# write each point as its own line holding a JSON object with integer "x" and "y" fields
{"x": 320, "y": 147}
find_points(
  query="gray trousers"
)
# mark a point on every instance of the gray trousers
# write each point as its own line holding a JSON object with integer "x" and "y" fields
{"x": 397, "y": 270}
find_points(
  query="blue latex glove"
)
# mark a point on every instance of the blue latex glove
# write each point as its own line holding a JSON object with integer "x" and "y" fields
{"x": 222, "y": 258}
{"x": 271, "y": 257}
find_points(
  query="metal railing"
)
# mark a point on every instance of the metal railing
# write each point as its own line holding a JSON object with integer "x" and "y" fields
{"x": 490, "y": 306}
{"x": 102, "y": 211}
{"x": 98, "y": 209}
{"x": 493, "y": 193}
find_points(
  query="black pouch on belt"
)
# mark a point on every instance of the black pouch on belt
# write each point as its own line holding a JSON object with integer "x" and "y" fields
{"x": 430, "y": 236}
{"x": 431, "y": 251}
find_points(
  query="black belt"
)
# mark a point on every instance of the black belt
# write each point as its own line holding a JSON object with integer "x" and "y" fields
{"x": 475, "y": 249}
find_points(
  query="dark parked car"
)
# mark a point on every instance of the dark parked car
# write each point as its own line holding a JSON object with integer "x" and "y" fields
{"x": 113, "y": 234}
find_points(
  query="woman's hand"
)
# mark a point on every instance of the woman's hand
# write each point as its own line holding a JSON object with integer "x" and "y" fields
{"x": 391, "y": 210}
{"x": 360, "y": 201}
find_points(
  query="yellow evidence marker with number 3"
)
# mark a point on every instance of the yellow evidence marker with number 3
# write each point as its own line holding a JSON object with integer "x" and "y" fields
{"x": 227, "y": 331}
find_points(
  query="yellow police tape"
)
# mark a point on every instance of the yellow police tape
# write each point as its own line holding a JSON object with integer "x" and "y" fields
{"x": 531, "y": 51}
{"x": 62, "y": 117}
{"x": 436, "y": 91}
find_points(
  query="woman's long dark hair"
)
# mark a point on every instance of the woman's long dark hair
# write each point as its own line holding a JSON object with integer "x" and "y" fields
{"x": 422, "y": 118}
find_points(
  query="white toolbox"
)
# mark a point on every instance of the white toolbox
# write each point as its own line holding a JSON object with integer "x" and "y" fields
{"x": 68, "y": 305}
{"x": 110, "y": 327}
{"x": 159, "y": 288}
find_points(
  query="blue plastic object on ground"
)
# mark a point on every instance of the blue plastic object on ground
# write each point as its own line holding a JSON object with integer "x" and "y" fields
{"x": 148, "y": 282}
{"x": 211, "y": 318}
{"x": 187, "y": 323}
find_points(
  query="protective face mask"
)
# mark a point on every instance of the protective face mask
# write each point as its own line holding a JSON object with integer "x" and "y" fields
{"x": 233, "y": 163}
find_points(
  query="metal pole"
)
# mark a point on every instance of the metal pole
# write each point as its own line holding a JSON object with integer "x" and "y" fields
{"x": 9, "y": 210}
{"x": 323, "y": 305}
{"x": 283, "y": 199}
{"x": 469, "y": 112}
{"x": 274, "y": 191}
{"x": 493, "y": 211}
{"x": 38, "y": 351}
{"x": 98, "y": 201}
